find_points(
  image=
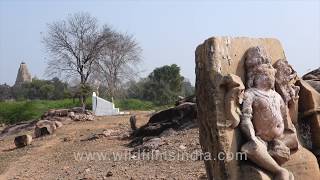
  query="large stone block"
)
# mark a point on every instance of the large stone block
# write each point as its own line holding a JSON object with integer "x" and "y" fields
{"x": 218, "y": 59}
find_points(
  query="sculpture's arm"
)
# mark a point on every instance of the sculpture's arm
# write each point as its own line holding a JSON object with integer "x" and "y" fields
{"x": 246, "y": 123}
{"x": 286, "y": 117}
{"x": 234, "y": 88}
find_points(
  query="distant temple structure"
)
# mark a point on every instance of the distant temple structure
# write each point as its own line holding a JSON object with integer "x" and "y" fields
{"x": 23, "y": 75}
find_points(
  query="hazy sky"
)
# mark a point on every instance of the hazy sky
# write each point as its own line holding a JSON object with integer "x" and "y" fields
{"x": 167, "y": 31}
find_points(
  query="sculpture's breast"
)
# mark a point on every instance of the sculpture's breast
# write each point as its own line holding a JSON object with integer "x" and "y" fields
{"x": 267, "y": 118}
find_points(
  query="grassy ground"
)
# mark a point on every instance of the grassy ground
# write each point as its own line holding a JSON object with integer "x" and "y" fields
{"x": 136, "y": 104}
{"x": 17, "y": 111}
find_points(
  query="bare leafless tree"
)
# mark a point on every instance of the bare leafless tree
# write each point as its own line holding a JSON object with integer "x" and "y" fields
{"x": 118, "y": 62}
{"x": 75, "y": 45}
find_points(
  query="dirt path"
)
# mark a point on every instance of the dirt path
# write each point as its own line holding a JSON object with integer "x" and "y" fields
{"x": 59, "y": 156}
{"x": 29, "y": 158}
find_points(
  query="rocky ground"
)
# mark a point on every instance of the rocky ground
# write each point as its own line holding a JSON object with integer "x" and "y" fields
{"x": 98, "y": 150}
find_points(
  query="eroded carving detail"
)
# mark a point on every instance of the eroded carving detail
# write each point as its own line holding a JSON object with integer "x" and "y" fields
{"x": 265, "y": 119}
{"x": 286, "y": 77}
{"x": 233, "y": 98}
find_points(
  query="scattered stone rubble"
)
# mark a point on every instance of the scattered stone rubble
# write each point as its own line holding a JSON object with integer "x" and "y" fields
{"x": 47, "y": 125}
{"x": 109, "y": 133}
{"x": 75, "y": 114}
{"x": 52, "y": 119}
{"x": 16, "y": 128}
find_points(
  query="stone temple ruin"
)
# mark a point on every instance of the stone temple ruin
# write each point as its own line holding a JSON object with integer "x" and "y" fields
{"x": 251, "y": 101}
{"x": 23, "y": 74}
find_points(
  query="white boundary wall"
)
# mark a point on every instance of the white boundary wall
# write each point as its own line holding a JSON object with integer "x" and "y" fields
{"x": 102, "y": 107}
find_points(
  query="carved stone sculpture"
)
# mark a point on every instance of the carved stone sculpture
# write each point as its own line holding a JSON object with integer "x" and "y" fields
{"x": 286, "y": 78}
{"x": 264, "y": 116}
{"x": 270, "y": 105}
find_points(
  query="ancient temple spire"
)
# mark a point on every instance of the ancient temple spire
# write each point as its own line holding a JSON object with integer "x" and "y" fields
{"x": 23, "y": 74}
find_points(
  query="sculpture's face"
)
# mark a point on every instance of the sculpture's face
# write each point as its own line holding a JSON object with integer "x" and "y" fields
{"x": 256, "y": 56}
{"x": 264, "y": 76}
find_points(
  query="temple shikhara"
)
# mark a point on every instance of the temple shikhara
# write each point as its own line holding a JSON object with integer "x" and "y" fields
{"x": 23, "y": 74}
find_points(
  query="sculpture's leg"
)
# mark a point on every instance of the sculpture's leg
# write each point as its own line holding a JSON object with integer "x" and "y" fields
{"x": 290, "y": 139}
{"x": 258, "y": 153}
{"x": 279, "y": 151}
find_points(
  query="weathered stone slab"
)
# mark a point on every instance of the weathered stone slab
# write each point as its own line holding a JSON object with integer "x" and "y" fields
{"x": 216, "y": 59}
{"x": 228, "y": 53}
{"x": 309, "y": 115}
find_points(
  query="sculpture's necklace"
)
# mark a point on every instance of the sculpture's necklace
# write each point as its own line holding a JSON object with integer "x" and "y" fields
{"x": 271, "y": 100}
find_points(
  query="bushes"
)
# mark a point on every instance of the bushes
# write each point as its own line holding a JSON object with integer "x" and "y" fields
{"x": 162, "y": 86}
{"x": 134, "y": 104}
{"x": 16, "y": 111}
{"x": 39, "y": 89}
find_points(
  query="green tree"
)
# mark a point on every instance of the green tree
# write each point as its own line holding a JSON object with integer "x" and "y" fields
{"x": 5, "y": 92}
{"x": 41, "y": 89}
{"x": 163, "y": 85}
{"x": 187, "y": 89}
{"x": 46, "y": 91}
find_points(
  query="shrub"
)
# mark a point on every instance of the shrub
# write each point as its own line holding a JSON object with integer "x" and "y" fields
{"x": 134, "y": 104}
{"x": 16, "y": 111}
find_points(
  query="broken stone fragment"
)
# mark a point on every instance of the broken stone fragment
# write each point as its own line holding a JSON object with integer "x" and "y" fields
{"x": 83, "y": 117}
{"x": 109, "y": 174}
{"x": 58, "y": 124}
{"x": 87, "y": 112}
{"x": 182, "y": 147}
{"x": 149, "y": 144}
{"x": 71, "y": 115}
{"x": 76, "y": 110}
{"x": 133, "y": 121}
{"x": 44, "y": 127}
{"x": 23, "y": 140}
{"x": 313, "y": 78}
{"x": 108, "y": 132}
{"x": 61, "y": 112}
